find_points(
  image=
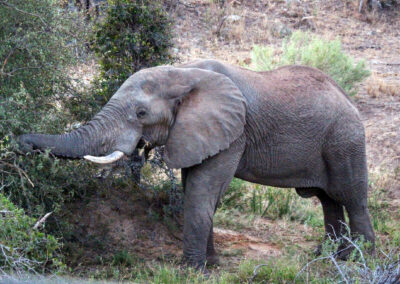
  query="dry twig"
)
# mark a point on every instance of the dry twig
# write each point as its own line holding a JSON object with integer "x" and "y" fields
{"x": 20, "y": 171}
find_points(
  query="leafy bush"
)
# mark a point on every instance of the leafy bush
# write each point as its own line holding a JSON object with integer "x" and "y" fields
{"x": 23, "y": 248}
{"x": 38, "y": 45}
{"x": 28, "y": 27}
{"x": 133, "y": 35}
{"x": 305, "y": 49}
{"x": 123, "y": 258}
{"x": 36, "y": 49}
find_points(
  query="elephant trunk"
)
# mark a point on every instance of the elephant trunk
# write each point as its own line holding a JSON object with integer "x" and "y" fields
{"x": 96, "y": 138}
{"x": 70, "y": 145}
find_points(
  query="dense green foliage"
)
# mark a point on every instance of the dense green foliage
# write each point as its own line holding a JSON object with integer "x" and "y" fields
{"x": 36, "y": 48}
{"x": 133, "y": 35}
{"x": 38, "y": 43}
{"x": 22, "y": 246}
{"x": 26, "y": 28}
{"x": 305, "y": 49}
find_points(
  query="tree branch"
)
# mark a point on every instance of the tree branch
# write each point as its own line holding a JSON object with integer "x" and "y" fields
{"x": 20, "y": 171}
{"x": 22, "y": 11}
{"x": 41, "y": 221}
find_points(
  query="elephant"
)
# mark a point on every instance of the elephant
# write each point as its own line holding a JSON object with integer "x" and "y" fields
{"x": 292, "y": 127}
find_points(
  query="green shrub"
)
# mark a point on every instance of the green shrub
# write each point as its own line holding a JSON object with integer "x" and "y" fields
{"x": 38, "y": 45}
{"x": 162, "y": 190}
{"x": 123, "y": 258}
{"x": 305, "y": 49}
{"x": 36, "y": 50}
{"x": 234, "y": 195}
{"x": 32, "y": 51}
{"x": 22, "y": 247}
{"x": 133, "y": 35}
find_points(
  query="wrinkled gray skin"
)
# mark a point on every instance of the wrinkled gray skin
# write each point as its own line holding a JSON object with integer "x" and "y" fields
{"x": 290, "y": 127}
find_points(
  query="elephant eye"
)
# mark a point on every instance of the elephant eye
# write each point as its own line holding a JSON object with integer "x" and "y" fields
{"x": 141, "y": 113}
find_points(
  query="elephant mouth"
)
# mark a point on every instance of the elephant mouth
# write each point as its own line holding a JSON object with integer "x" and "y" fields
{"x": 111, "y": 158}
{"x": 125, "y": 146}
{"x": 116, "y": 155}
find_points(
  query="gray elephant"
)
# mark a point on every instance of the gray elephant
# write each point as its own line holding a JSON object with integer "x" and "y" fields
{"x": 292, "y": 127}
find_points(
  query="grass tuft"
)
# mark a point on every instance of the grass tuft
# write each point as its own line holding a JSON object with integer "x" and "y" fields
{"x": 265, "y": 201}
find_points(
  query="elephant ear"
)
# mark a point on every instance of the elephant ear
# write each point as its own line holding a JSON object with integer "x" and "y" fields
{"x": 210, "y": 117}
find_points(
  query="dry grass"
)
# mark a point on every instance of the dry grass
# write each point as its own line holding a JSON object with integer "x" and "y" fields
{"x": 377, "y": 87}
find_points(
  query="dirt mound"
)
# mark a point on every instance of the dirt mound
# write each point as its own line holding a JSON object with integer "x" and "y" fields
{"x": 120, "y": 220}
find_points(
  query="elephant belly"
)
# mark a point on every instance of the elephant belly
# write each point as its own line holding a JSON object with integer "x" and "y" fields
{"x": 283, "y": 167}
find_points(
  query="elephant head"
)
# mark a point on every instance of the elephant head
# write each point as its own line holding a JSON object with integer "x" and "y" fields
{"x": 195, "y": 113}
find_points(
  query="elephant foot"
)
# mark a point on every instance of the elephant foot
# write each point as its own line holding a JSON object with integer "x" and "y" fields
{"x": 343, "y": 252}
{"x": 199, "y": 265}
{"x": 213, "y": 260}
{"x": 318, "y": 250}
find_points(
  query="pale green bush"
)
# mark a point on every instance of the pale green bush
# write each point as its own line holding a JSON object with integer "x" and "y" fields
{"x": 306, "y": 49}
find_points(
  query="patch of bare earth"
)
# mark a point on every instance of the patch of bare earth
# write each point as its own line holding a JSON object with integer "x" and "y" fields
{"x": 119, "y": 220}
{"x": 235, "y": 243}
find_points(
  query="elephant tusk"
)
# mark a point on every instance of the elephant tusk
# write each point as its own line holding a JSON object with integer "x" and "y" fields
{"x": 115, "y": 156}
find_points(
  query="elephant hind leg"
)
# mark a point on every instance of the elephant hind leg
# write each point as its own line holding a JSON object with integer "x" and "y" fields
{"x": 360, "y": 223}
{"x": 348, "y": 185}
{"x": 333, "y": 216}
{"x": 333, "y": 213}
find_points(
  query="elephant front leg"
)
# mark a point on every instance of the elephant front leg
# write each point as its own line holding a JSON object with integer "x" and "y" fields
{"x": 199, "y": 207}
{"x": 204, "y": 185}
{"x": 196, "y": 229}
{"x": 212, "y": 256}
